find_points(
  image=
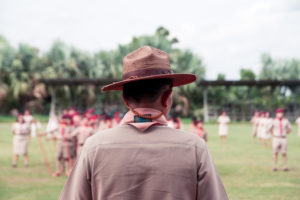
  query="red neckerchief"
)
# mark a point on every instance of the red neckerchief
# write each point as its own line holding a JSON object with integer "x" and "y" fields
{"x": 63, "y": 125}
{"x": 280, "y": 125}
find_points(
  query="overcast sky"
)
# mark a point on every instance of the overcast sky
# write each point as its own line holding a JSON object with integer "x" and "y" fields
{"x": 227, "y": 34}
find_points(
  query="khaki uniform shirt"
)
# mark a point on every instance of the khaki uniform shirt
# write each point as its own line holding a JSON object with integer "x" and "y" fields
{"x": 65, "y": 147}
{"x": 82, "y": 133}
{"x": 285, "y": 127}
{"x": 21, "y": 129}
{"x": 21, "y": 139}
{"x": 160, "y": 163}
{"x": 66, "y": 131}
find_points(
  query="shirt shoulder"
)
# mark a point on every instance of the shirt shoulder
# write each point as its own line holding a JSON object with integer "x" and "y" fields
{"x": 127, "y": 134}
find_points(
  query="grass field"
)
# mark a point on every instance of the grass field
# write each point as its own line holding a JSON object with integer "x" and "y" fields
{"x": 245, "y": 168}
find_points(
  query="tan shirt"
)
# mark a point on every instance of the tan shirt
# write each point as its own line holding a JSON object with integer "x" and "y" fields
{"x": 82, "y": 133}
{"x": 66, "y": 131}
{"x": 285, "y": 124}
{"x": 21, "y": 129}
{"x": 159, "y": 164}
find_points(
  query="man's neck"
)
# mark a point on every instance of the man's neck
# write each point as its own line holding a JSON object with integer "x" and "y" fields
{"x": 144, "y": 105}
{"x": 152, "y": 106}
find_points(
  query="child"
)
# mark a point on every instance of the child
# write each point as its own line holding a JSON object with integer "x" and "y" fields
{"x": 201, "y": 132}
{"x": 65, "y": 146}
{"x": 21, "y": 132}
{"x": 223, "y": 121}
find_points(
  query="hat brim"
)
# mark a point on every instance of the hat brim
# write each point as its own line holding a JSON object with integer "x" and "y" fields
{"x": 177, "y": 79}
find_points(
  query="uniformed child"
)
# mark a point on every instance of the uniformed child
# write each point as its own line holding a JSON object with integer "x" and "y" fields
{"x": 254, "y": 122}
{"x": 197, "y": 128}
{"x": 106, "y": 122}
{"x": 201, "y": 131}
{"x": 223, "y": 121}
{"x": 298, "y": 124}
{"x": 193, "y": 125}
{"x": 266, "y": 134}
{"x": 280, "y": 128}
{"x": 89, "y": 113}
{"x": 261, "y": 126}
{"x": 65, "y": 146}
{"x": 175, "y": 122}
{"x": 72, "y": 112}
{"x": 21, "y": 132}
{"x": 82, "y": 133}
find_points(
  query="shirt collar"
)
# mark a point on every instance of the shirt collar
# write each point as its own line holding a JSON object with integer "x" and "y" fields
{"x": 142, "y": 123}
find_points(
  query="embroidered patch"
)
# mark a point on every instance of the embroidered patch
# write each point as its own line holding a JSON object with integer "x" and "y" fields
{"x": 138, "y": 119}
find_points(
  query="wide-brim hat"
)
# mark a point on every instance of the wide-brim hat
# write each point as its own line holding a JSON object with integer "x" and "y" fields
{"x": 148, "y": 63}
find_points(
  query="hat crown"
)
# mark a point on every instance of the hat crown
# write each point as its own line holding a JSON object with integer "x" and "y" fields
{"x": 145, "y": 58}
{"x": 148, "y": 63}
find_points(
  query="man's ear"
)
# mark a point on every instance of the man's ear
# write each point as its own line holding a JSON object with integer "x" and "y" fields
{"x": 165, "y": 96}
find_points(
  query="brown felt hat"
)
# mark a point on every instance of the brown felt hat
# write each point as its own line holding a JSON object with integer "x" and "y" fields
{"x": 148, "y": 63}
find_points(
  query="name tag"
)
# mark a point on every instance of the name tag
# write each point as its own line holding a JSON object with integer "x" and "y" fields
{"x": 138, "y": 119}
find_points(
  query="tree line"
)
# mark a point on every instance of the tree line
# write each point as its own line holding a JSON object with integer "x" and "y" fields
{"x": 21, "y": 69}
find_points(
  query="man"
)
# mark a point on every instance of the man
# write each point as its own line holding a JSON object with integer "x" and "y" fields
{"x": 143, "y": 158}
{"x": 280, "y": 128}
{"x": 223, "y": 121}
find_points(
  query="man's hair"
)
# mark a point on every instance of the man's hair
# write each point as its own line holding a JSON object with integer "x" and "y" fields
{"x": 145, "y": 90}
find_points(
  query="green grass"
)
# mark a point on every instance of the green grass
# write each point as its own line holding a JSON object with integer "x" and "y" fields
{"x": 9, "y": 118}
{"x": 244, "y": 167}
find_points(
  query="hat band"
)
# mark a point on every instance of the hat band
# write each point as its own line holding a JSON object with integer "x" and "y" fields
{"x": 146, "y": 72}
